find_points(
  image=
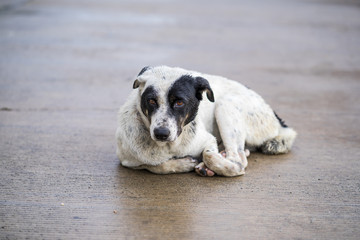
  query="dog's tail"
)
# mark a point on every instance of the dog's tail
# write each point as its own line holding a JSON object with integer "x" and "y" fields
{"x": 281, "y": 143}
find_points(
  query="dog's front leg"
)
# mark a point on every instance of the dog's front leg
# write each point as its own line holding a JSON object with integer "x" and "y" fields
{"x": 234, "y": 160}
{"x": 179, "y": 165}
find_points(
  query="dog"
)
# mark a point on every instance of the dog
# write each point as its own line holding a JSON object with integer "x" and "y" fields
{"x": 167, "y": 125}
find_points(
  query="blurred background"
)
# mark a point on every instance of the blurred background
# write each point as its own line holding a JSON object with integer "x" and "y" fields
{"x": 100, "y": 47}
{"x": 67, "y": 66}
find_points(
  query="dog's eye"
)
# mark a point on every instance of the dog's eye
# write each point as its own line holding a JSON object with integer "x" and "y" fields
{"x": 152, "y": 102}
{"x": 179, "y": 103}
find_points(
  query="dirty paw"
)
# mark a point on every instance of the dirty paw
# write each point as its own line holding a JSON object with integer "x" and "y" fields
{"x": 204, "y": 171}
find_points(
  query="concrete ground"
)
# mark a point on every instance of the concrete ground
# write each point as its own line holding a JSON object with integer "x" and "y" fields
{"x": 66, "y": 67}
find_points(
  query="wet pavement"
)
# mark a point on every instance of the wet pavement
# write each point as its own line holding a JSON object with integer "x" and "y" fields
{"x": 67, "y": 66}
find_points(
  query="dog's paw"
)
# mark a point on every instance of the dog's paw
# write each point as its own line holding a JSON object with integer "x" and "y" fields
{"x": 204, "y": 171}
{"x": 186, "y": 164}
{"x": 225, "y": 165}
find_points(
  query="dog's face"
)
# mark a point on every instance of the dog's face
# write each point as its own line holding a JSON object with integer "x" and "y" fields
{"x": 169, "y": 100}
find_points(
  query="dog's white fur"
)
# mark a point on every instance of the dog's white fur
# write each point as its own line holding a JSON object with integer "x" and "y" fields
{"x": 238, "y": 118}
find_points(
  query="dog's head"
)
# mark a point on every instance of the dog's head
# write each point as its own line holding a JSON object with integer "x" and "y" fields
{"x": 169, "y": 100}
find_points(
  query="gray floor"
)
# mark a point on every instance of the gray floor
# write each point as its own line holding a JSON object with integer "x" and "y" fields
{"x": 66, "y": 66}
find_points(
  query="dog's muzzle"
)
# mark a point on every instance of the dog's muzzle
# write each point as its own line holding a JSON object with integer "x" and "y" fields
{"x": 161, "y": 133}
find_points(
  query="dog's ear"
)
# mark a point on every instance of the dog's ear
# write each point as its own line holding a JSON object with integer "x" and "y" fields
{"x": 138, "y": 80}
{"x": 137, "y": 83}
{"x": 201, "y": 85}
{"x": 144, "y": 69}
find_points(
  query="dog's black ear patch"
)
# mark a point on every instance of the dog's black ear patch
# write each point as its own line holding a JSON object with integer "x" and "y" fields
{"x": 137, "y": 82}
{"x": 201, "y": 85}
{"x": 143, "y": 70}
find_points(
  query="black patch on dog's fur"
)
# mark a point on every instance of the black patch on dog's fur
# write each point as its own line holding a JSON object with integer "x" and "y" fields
{"x": 143, "y": 70}
{"x": 282, "y": 122}
{"x": 146, "y": 107}
{"x": 188, "y": 90}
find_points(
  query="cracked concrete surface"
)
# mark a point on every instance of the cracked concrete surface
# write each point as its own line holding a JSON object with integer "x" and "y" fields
{"x": 67, "y": 66}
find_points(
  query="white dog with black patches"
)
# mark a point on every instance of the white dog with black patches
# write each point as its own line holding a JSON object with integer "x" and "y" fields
{"x": 163, "y": 127}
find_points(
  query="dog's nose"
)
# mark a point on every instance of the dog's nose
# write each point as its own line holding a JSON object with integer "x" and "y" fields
{"x": 161, "y": 133}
